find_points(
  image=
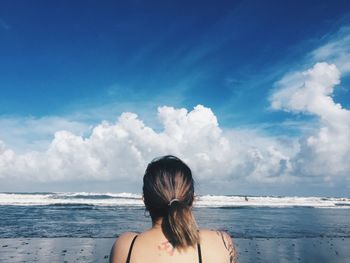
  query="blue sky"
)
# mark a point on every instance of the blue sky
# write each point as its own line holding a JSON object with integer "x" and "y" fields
{"x": 78, "y": 63}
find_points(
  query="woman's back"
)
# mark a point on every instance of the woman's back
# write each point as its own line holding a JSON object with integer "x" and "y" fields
{"x": 168, "y": 194}
{"x": 152, "y": 246}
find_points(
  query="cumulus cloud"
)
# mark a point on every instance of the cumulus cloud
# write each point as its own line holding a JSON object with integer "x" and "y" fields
{"x": 122, "y": 149}
{"x": 24, "y": 133}
{"x": 324, "y": 151}
{"x": 327, "y": 151}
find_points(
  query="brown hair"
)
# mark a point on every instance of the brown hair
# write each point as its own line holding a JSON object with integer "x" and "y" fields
{"x": 168, "y": 192}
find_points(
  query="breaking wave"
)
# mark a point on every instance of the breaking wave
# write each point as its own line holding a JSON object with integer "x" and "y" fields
{"x": 130, "y": 199}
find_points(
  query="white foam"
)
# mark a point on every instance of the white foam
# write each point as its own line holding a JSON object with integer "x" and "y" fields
{"x": 130, "y": 199}
{"x": 119, "y": 199}
{"x": 272, "y": 201}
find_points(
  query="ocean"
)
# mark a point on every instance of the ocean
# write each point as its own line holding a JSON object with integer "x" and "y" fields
{"x": 101, "y": 215}
{"x": 51, "y": 216}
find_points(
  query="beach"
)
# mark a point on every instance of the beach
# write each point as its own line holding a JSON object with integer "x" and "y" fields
{"x": 333, "y": 250}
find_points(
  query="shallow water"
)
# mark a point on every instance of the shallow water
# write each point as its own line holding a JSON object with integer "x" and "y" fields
{"x": 110, "y": 221}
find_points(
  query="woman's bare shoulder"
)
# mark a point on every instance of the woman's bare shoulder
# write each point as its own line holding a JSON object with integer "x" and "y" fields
{"x": 216, "y": 234}
{"x": 219, "y": 241}
{"x": 120, "y": 248}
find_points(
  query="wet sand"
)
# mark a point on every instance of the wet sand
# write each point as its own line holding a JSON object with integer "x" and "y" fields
{"x": 333, "y": 250}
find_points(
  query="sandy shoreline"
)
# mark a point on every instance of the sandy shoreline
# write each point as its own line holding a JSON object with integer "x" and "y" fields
{"x": 333, "y": 250}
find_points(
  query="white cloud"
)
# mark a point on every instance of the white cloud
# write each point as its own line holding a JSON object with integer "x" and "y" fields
{"x": 63, "y": 150}
{"x": 326, "y": 152}
{"x": 23, "y": 133}
{"x": 336, "y": 51}
{"x": 122, "y": 149}
{"x": 308, "y": 91}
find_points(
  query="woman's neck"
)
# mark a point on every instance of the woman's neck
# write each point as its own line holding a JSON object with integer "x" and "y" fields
{"x": 157, "y": 224}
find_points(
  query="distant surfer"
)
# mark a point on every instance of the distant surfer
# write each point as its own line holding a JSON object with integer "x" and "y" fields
{"x": 246, "y": 198}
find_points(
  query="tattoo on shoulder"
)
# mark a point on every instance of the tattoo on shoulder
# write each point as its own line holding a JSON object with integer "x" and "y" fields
{"x": 167, "y": 247}
{"x": 227, "y": 240}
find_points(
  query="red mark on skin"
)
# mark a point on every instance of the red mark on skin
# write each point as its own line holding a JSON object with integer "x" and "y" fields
{"x": 169, "y": 249}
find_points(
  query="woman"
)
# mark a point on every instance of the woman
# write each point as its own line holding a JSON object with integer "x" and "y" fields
{"x": 168, "y": 194}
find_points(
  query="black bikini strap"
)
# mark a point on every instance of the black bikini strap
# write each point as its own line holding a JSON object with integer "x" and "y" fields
{"x": 130, "y": 249}
{"x": 199, "y": 253}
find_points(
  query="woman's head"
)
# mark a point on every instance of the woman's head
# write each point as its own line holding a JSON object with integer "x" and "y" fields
{"x": 168, "y": 191}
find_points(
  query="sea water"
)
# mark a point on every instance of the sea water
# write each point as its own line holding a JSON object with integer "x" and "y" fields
{"x": 102, "y": 215}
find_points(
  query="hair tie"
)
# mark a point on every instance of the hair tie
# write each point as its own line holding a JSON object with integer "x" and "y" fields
{"x": 173, "y": 200}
